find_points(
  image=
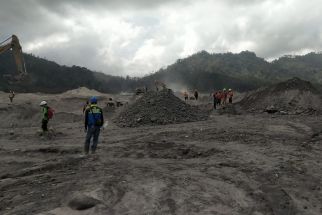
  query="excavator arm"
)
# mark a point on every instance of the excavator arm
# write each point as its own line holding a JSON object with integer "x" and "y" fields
{"x": 4, "y": 48}
{"x": 13, "y": 44}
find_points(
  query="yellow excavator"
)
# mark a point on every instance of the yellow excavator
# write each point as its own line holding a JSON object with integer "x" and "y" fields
{"x": 12, "y": 43}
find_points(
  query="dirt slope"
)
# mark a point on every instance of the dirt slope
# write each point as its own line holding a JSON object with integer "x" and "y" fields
{"x": 293, "y": 96}
{"x": 227, "y": 165}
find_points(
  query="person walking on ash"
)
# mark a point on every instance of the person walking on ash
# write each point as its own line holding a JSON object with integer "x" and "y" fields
{"x": 47, "y": 114}
{"x": 11, "y": 96}
{"x": 94, "y": 120}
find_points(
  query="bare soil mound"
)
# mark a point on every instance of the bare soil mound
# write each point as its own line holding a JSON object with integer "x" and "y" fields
{"x": 81, "y": 92}
{"x": 293, "y": 96}
{"x": 159, "y": 108}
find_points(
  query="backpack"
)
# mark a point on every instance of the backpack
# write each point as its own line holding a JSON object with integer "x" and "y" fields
{"x": 50, "y": 113}
{"x": 97, "y": 118}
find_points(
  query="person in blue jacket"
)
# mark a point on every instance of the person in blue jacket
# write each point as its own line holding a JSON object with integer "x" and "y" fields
{"x": 93, "y": 122}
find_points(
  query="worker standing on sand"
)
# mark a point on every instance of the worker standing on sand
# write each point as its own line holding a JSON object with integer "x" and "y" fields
{"x": 93, "y": 122}
{"x": 45, "y": 116}
{"x": 224, "y": 97}
{"x": 230, "y": 96}
{"x": 215, "y": 97}
{"x": 196, "y": 94}
{"x": 11, "y": 96}
{"x": 185, "y": 95}
{"x": 218, "y": 95}
{"x": 85, "y": 106}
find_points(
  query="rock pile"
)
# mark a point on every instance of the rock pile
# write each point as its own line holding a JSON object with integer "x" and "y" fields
{"x": 293, "y": 96}
{"x": 159, "y": 108}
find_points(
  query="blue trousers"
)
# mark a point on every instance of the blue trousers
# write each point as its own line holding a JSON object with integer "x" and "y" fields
{"x": 92, "y": 132}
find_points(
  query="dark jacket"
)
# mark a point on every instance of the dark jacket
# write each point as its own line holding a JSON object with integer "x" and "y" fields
{"x": 94, "y": 116}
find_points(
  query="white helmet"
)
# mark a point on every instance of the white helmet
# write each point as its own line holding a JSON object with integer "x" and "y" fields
{"x": 43, "y": 103}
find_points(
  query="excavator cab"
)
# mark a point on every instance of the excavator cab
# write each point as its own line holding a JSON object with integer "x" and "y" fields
{"x": 12, "y": 43}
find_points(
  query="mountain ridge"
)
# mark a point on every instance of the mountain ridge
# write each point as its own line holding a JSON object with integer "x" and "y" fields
{"x": 203, "y": 71}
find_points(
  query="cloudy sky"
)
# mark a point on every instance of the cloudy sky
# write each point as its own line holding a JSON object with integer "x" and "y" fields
{"x": 136, "y": 37}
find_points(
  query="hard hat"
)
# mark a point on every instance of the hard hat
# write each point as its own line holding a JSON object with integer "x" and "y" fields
{"x": 224, "y": 89}
{"x": 229, "y": 89}
{"x": 43, "y": 103}
{"x": 93, "y": 99}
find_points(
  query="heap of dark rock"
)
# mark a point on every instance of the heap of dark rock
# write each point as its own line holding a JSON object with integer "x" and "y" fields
{"x": 159, "y": 108}
{"x": 293, "y": 96}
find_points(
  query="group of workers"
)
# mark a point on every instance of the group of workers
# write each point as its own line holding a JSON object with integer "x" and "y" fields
{"x": 195, "y": 95}
{"x": 94, "y": 120}
{"x": 220, "y": 97}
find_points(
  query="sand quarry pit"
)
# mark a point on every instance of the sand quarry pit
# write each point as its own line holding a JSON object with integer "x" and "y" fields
{"x": 226, "y": 164}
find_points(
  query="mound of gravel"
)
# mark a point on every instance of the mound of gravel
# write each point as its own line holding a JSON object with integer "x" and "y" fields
{"x": 159, "y": 108}
{"x": 80, "y": 93}
{"x": 293, "y": 96}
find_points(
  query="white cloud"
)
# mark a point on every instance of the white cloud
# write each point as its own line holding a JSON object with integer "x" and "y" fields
{"x": 139, "y": 36}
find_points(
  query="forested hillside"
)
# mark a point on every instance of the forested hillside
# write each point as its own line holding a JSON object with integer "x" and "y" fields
{"x": 202, "y": 71}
